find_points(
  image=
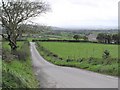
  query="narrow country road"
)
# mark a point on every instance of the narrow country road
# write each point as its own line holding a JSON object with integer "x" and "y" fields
{"x": 52, "y": 76}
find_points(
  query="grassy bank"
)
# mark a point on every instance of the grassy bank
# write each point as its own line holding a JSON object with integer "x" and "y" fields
{"x": 74, "y": 55}
{"x": 17, "y": 71}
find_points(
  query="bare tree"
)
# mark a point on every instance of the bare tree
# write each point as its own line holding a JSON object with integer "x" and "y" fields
{"x": 14, "y": 12}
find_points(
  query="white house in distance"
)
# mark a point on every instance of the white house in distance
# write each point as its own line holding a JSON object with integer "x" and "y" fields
{"x": 92, "y": 37}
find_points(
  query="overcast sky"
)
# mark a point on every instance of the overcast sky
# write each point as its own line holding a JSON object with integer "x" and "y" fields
{"x": 81, "y": 13}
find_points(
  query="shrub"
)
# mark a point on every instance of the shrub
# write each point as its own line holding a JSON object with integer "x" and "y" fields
{"x": 69, "y": 60}
{"x": 54, "y": 55}
{"x": 106, "y": 54}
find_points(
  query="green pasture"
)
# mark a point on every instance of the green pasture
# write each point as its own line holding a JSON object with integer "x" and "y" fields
{"x": 80, "y": 50}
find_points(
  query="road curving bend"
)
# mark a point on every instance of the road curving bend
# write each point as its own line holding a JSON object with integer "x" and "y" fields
{"x": 52, "y": 76}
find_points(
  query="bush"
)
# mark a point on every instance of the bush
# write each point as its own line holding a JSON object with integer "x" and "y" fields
{"x": 106, "y": 54}
{"x": 69, "y": 60}
{"x": 54, "y": 55}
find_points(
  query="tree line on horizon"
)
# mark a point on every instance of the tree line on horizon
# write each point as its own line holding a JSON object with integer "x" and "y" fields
{"x": 108, "y": 38}
{"x": 102, "y": 38}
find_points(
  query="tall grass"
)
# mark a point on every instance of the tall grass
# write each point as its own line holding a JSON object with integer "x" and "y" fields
{"x": 18, "y": 73}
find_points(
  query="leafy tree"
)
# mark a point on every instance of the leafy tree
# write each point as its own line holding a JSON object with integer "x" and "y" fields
{"x": 119, "y": 38}
{"x": 108, "y": 38}
{"x": 101, "y": 37}
{"x": 104, "y": 38}
{"x": 76, "y": 37}
{"x": 85, "y": 38}
{"x": 116, "y": 38}
{"x": 15, "y": 12}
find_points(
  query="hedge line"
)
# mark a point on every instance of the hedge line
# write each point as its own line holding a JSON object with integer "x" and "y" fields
{"x": 77, "y": 41}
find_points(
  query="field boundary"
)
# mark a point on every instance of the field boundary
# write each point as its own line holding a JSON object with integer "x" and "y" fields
{"x": 75, "y": 41}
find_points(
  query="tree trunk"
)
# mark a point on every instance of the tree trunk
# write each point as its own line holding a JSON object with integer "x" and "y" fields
{"x": 13, "y": 49}
{"x": 13, "y": 45}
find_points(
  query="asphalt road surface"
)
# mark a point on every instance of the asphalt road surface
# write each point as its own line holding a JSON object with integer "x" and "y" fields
{"x": 52, "y": 76}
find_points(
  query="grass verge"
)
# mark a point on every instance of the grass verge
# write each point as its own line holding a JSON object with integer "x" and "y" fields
{"x": 17, "y": 72}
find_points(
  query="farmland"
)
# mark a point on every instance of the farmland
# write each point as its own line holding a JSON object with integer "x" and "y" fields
{"x": 80, "y": 50}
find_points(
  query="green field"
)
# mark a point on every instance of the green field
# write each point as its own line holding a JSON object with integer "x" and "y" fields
{"x": 80, "y": 50}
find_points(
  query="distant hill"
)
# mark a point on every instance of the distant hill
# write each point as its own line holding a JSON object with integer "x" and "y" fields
{"x": 83, "y": 28}
{"x": 57, "y": 28}
{"x": 35, "y": 28}
{"x": 98, "y": 27}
